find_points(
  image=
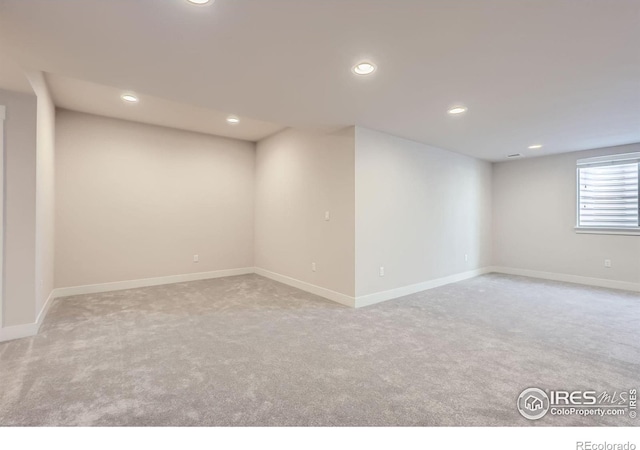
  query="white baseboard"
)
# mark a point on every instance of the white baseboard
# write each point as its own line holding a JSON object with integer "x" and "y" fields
{"x": 18, "y": 332}
{"x": 45, "y": 309}
{"x": 372, "y": 299}
{"x": 307, "y": 287}
{"x": 589, "y": 281}
{"x": 146, "y": 282}
{"x": 29, "y": 329}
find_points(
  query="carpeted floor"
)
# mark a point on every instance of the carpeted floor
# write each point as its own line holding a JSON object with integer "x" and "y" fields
{"x": 249, "y": 351}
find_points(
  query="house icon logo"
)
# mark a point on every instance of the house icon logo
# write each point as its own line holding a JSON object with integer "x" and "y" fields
{"x": 533, "y": 403}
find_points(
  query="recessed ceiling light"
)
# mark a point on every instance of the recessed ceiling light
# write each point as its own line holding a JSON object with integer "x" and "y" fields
{"x": 233, "y": 120}
{"x": 457, "y": 110}
{"x": 364, "y": 68}
{"x": 200, "y": 2}
{"x": 535, "y": 147}
{"x": 129, "y": 98}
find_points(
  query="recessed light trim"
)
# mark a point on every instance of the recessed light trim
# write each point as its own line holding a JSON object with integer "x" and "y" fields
{"x": 535, "y": 146}
{"x": 233, "y": 120}
{"x": 200, "y": 2}
{"x": 129, "y": 98}
{"x": 364, "y": 68}
{"x": 457, "y": 110}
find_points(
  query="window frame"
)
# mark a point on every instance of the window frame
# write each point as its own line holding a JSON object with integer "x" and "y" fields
{"x": 627, "y": 158}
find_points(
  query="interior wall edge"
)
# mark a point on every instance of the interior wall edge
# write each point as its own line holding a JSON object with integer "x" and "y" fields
{"x": 45, "y": 190}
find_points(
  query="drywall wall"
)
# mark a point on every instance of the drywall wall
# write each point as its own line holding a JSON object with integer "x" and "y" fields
{"x": 136, "y": 201}
{"x": 534, "y": 218}
{"x": 300, "y": 175}
{"x": 45, "y": 191}
{"x": 419, "y": 211}
{"x": 19, "y": 208}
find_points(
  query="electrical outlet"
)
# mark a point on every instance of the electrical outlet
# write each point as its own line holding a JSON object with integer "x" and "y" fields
{"x": 381, "y": 271}
{"x": 607, "y": 263}
{"x": 196, "y": 258}
{"x": 466, "y": 257}
{"x": 327, "y": 216}
{"x": 313, "y": 267}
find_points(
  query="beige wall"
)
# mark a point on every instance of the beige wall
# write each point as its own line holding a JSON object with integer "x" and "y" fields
{"x": 137, "y": 201}
{"x": 419, "y": 210}
{"x": 299, "y": 176}
{"x": 534, "y": 218}
{"x": 20, "y": 208}
{"x": 45, "y": 191}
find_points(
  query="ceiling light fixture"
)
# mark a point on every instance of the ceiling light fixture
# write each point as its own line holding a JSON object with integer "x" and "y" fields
{"x": 129, "y": 98}
{"x": 457, "y": 110}
{"x": 364, "y": 68}
{"x": 535, "y": 147}
{"x": 200, "y": 2}
{"x": 233, "y": 120}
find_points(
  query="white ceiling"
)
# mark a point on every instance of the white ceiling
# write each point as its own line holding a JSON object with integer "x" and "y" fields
{"x": 564, "y": 73}
{"x": 104, "y": 100}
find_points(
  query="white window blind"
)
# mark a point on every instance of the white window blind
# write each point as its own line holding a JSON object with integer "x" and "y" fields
{"x": 608, "y": 192}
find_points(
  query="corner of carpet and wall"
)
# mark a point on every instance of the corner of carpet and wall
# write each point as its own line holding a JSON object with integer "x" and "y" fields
{"x": 21, "y": 331}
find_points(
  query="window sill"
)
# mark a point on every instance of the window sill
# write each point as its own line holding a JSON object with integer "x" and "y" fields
{"x": 615, "y": 231}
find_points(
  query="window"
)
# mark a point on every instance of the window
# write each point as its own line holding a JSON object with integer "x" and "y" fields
{"x": 608, "y": 193}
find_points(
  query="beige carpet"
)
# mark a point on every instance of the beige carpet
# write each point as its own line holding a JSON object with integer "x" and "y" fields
{"x": 249, "y": 351}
